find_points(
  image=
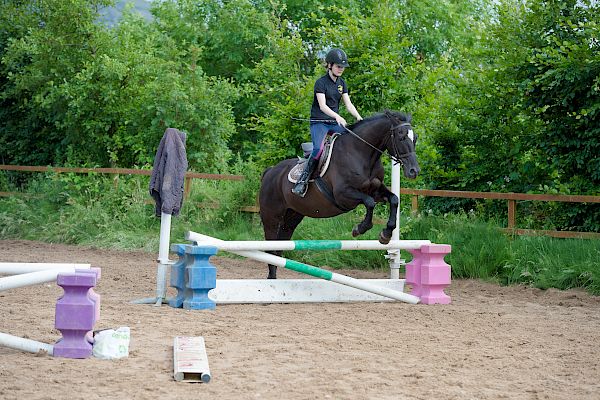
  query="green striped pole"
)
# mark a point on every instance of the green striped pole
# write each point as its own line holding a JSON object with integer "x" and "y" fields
{"x": 275, "y": 245}
{"x": 307, "y": 269}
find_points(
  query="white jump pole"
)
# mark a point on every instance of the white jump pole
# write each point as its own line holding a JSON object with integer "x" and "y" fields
{"x": 163, "y": 264}
{"x": 288, "y": 245}
{"x": 31, "y": 346}
{"x": 162, "y": 269}
{"x": 14, "y": 268}
{"x": 32, "y": 278}
{"x": 309, "y": 269}
{"x": 394, "y": 254}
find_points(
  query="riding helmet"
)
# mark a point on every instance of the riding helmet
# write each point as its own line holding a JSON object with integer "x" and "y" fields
{"x": 337, "y": 56}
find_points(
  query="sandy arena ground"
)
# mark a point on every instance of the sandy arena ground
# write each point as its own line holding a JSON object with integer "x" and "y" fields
{"x": 490, "y": 343}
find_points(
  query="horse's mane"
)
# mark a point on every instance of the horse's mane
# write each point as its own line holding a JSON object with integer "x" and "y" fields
{"x": 400, "y": 115}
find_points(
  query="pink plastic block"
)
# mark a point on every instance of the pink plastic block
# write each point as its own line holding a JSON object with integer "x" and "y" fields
{"x": 413, "y": 272}
{"x": 435, "y": 274}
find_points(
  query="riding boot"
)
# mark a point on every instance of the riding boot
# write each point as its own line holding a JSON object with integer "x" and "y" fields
{"x": 302, "y": 185}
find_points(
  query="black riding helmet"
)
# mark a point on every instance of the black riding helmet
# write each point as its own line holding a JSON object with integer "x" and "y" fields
{"x": 337, "y": 56}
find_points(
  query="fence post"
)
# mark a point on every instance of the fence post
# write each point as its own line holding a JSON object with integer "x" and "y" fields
{"x": 512, "y": 210}
{"x": 414, "y": 199}
{"x": 116, "y": 181}
{"x": 187, "y": 187}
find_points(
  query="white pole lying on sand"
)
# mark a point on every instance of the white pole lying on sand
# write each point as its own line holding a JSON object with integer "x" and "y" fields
{"x": 31, "y": 346}
{"x": 14, "y": 268}
{"x": 32, "y": 278}
{"x": 308, "y": 269}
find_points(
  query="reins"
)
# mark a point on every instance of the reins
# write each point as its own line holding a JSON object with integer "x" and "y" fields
{"x": 395, "y": 158}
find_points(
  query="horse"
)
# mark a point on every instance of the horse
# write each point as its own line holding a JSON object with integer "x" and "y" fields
{"x": 354, "y": 176}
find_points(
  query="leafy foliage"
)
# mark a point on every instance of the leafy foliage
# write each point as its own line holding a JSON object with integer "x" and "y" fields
{"x": 504, "y": 94}
{"x": 107, "y": 100}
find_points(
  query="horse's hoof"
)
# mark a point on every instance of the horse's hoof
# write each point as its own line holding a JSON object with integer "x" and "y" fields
{"x": 355, "y": 232}
{"x": 383, "y": 239}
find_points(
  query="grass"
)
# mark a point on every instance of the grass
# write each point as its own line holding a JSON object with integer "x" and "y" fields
{"x": 89, "y": 210}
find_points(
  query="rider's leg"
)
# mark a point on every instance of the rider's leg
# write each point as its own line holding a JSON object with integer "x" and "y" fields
{"x": 337, "y": 128}
{"x": 317, "y": 133}
{"x": 301, "y": 186}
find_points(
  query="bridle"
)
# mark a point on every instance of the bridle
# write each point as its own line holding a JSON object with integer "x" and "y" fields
{"x": 395, "y": 132}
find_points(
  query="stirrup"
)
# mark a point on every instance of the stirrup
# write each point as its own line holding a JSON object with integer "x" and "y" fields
{"x": 300, "y": 189}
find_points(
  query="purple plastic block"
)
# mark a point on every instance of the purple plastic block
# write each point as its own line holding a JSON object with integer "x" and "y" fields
{"x": 75, "y": 315}
{"x": 435, "y": 274}
{"x": 92, "y": 293}
{"x": 95, "y": 297}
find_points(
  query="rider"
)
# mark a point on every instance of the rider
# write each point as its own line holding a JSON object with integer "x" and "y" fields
{"x": 329, "y": 90}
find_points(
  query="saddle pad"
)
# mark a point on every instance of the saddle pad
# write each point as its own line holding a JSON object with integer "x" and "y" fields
{"x": 297, "y": 169}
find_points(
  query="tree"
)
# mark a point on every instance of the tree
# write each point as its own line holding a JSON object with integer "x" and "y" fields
{"x": 47, "y": 42}
{"x": 99, "y": 96}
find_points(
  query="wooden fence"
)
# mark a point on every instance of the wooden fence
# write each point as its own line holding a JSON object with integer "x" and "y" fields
{"x": 511, "y": 198}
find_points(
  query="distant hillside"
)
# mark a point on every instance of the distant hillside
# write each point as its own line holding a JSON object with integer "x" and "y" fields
{"x": 111, "y": 15}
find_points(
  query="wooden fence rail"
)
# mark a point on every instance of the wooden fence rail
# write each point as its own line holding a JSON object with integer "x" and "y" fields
{"x": 120, "y": 171}
{"x": 511, "y": 198}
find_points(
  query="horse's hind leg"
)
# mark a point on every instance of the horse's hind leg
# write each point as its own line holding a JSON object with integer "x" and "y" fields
{"x": 280, "y": 229}
{"x": 291, "y": 220}
{"x": 288, "y": 225}
{"x": 271, "y": 228}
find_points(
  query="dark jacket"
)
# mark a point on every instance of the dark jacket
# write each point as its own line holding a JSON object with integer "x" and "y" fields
{"x": 168, "y": 173}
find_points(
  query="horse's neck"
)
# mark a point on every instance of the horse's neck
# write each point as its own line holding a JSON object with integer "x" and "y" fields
{"x": 374, "y": 134}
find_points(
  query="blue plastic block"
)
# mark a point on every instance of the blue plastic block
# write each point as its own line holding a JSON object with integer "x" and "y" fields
{"x": 201, "y": 277}
{"x": 178, "y": 276}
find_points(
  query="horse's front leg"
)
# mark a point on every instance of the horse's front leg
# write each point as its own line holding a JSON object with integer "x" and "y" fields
{"x": 386, "y": 234}
{"x": 369, "y": 203}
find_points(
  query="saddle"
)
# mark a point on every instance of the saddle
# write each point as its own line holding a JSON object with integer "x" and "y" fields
{"x": 324, "y": 159}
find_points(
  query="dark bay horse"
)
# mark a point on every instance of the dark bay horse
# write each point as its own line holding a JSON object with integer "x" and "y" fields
{"x": 354, "y": 176}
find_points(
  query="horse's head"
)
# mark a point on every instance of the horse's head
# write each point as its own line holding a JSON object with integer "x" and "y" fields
{"x": 402, "y": 142}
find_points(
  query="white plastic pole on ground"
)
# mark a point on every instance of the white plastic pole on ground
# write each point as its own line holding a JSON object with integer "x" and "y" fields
{"x": 190, "y": 362}
{"x": 162, "y": 269}
{"x": 18, "y": 343}
{"x": 310, "y": 270}
{"x": 32, "y": 278}
{"x": 13, "y": 268}
{"x": 394, "y": 254}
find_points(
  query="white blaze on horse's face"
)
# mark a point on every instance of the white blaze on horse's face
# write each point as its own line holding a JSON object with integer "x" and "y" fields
{"x": 411, "y": 135}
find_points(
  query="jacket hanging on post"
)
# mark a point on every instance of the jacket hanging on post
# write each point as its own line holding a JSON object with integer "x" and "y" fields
{"x": 168, "y": 173}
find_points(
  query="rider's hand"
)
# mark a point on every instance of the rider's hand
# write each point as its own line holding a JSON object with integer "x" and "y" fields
{"x": 359, "y": 118}
{"x": 341, "y": 121}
